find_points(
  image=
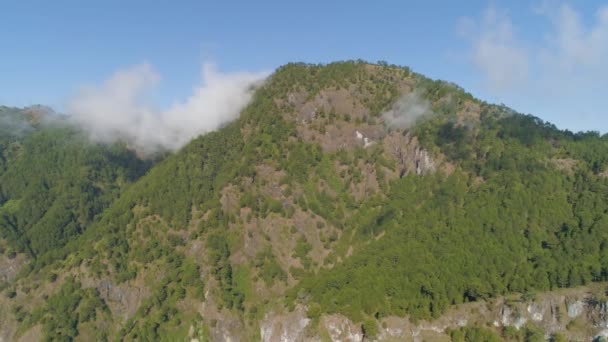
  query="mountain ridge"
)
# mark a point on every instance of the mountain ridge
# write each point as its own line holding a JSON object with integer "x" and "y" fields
{"x": 310, "y": 194}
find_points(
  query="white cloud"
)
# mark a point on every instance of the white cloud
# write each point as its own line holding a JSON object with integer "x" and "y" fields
{"x": 571, "y": 45}
{"x": 406, "y": 111}
{"x": 558, "y": 72}
{"x": 495, "y": 51}
{"x": 507, "y": 61}
{"x": 117, "y": 109}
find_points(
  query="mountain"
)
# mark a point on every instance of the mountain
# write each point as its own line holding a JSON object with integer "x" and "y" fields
{"x": 348, "y": 201}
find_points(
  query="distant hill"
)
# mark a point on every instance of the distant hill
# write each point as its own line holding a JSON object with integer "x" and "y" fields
{"x": 349, "y": 192}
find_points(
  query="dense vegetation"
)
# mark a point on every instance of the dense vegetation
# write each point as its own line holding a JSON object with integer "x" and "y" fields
{"x": 69, "y": 308}
{"x": 53, "y": 184}
{"x": 541, "y": 228}
{"x": 520, "y": 207}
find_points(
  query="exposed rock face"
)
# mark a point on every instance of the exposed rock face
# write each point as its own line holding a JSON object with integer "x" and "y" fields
{"x": 367, "y": 142}
{"x": 329, "y": 119}
{"x": 551, "y": 312}
{"x": 511, "y": 318}
{"x": 340, "y": 328}
{"x": 597, "y": 312}
{"x": 337, "y": 120}
{"x": 339, "y": 101}
{"x": 9, "y": 267}
{"x": 424, "y": 163}
{"x": 123, "y": 299}
{"x": 226, "y": 330}
{"x": 575, "y": 308}
{"x": 285, "y": 327}
{"x": 394, "y": 328}
{"x": 408, "y": 154}
{"x": 230, "y": 199}
{"x": 223, "y": 325}
{"x": 127, "y": 297}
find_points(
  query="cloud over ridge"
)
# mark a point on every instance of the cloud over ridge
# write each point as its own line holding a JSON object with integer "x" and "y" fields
{"x": 118, "y": 110}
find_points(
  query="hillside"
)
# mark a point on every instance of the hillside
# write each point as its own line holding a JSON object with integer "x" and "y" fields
{"x": 351, "y": 192}
{"x": 52, "y": 182}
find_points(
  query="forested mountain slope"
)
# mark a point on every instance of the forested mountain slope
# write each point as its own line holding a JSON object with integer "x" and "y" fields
{"x": 345, "y": 190}
{"x": 52, "y": 182}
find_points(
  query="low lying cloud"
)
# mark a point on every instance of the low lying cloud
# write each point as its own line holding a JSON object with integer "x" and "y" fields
{"x": 406, "y": 111}
{"x": 12, "y": 124}
{"x": 118, "y": 110}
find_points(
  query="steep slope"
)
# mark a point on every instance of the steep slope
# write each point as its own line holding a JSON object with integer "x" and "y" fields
{"x": 53, "y": 183}
{"x": 347, "y": 190}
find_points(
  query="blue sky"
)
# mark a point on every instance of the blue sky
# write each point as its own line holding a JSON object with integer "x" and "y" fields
{"x": 547, "y": 58}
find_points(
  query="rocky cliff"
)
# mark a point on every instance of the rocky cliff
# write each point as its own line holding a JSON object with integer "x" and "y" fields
{"x": 577, "y": 314}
